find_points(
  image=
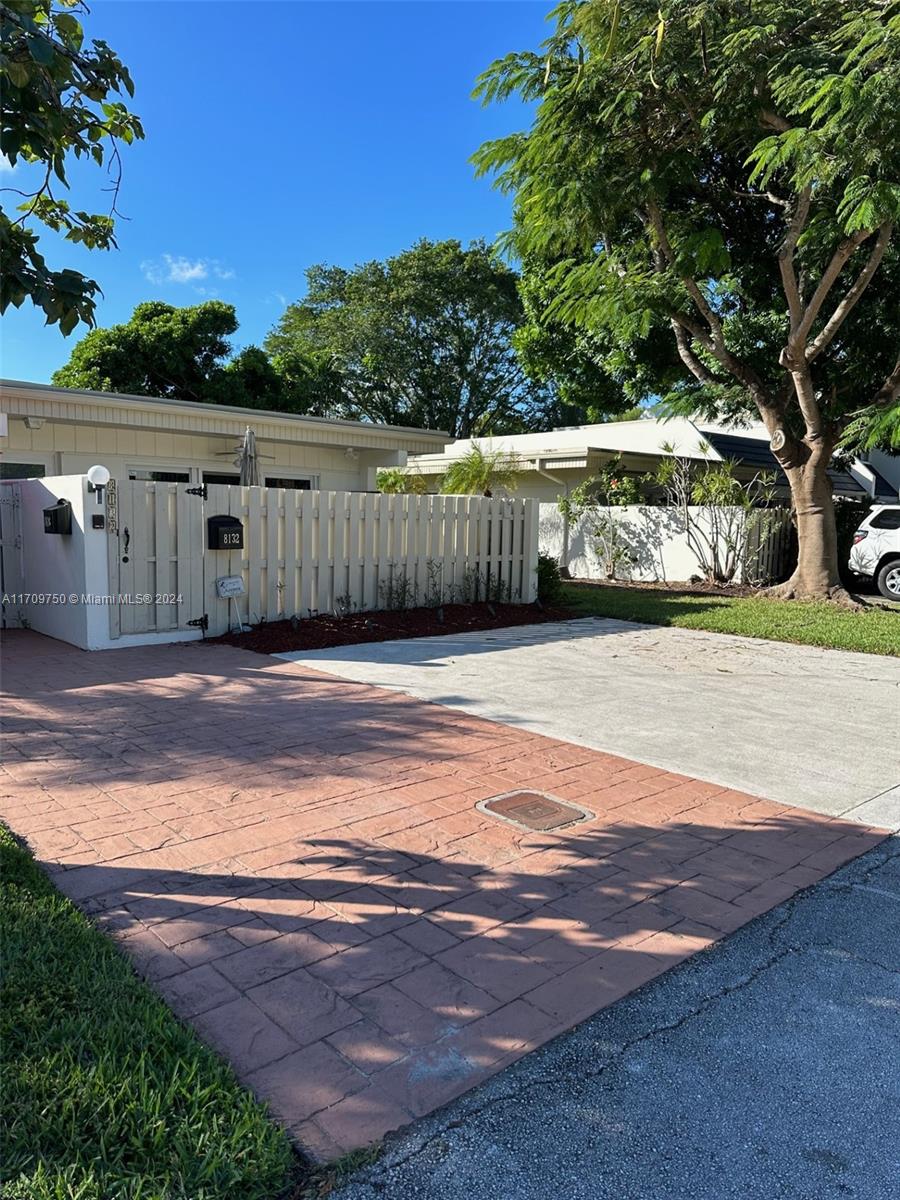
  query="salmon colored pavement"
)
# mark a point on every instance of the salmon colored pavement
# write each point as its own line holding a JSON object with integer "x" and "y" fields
{"x": 298, "y": 865}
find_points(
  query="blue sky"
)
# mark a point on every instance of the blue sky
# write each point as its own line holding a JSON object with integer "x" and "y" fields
{"x": 279, "y": 135}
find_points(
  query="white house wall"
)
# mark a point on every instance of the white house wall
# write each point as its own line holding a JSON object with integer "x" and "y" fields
{"x": 65, "y": 449}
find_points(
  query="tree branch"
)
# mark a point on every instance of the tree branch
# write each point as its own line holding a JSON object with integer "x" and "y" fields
{"x": 694, "y": 290}
{"x": 789, "y": 282}
{"x": 889, "y": 392}
{"x": 826, "y": 283}
{"x": 843, "y": 309}
{"x": 688, "y": 357}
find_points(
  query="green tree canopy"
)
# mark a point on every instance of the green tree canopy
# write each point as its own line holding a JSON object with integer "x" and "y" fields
{"x": 423, "y": 339}
{"x": 593, "y": 378}
{"x": 723, "y": 178}
{"x": 182, "y": 353}
{"x": 59, "y": 100}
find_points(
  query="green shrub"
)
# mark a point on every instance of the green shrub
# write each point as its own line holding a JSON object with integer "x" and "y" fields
{"x": 549, "y": 582}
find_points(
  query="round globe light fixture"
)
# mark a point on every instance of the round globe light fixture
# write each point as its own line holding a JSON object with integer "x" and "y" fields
{"x": 98, "y": 476}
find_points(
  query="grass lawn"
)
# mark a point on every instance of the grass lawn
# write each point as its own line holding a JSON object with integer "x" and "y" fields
{"x": 874, "y": 630}
{"x": 105, "y": 1095}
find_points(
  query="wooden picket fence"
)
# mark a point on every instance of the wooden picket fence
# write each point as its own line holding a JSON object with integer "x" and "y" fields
{"x": 309, "y": 552}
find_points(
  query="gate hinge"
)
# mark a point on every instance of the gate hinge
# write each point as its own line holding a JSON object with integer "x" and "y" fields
{"x": 200, "y": 622}
{"x": 197, "y": 491}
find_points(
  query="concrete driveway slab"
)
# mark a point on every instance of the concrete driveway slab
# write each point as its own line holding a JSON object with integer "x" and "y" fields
{"x": 796, "y": 724}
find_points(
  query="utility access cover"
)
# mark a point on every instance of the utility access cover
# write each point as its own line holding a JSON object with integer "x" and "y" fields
{"x": 536, "y": 811}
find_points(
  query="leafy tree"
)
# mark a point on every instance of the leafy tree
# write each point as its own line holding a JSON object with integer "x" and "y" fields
{"x": 183, "y": 353}
{"x": 162, "y": 351}
{"x": 480, "y": 473}
{"x": 59, "y": 99}
{"x": 593, "y": 380}
{"x": 310, "y": 381}
{"x": 397, "y": 481}
{"x": 423, "y": 339}
{"x": 248, "y": 380}
{"x": 724, "y": 177}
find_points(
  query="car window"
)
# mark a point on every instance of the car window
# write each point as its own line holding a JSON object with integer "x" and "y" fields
{"x": 888, "y": 518}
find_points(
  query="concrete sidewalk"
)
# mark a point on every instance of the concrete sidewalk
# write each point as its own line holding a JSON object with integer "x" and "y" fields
{"x": 765, "y": 1067}
{"x": 796, "y": 724}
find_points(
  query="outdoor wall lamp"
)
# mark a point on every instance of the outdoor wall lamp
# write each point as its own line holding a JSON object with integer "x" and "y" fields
{"x": 98, "y": 478}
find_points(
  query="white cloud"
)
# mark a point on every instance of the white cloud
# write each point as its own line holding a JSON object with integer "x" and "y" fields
{"x": 176, "y": 268}
{"x": 6, "y": 167}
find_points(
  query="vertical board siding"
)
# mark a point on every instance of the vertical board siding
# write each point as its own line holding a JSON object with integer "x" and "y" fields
{"x": 313, "y": 552}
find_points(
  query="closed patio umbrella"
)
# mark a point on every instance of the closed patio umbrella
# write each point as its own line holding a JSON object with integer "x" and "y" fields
{"x": 248, "y": 460}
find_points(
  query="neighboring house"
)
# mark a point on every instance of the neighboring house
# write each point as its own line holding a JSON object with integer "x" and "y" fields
{"x": 47, "y": 430}
{"x": 553, "y": 463}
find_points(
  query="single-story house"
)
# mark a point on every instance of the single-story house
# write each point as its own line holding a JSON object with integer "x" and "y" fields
{"x": 46, "y": 430}
{"x": 554, "y": 463}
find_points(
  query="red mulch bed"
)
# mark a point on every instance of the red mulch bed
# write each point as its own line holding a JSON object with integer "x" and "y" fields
{"x": 674, "y": 587}
{"x": 319, "y": 633}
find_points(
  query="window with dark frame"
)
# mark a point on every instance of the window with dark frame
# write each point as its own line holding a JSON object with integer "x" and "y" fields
{"x": 221, "y": 477}
{"x": 278, "y": 481}
{"x": 15, "y": 470}
{"x": 150, "y": 475}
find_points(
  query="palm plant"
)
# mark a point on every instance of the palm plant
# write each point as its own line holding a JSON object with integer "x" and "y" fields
{"x": 479, "y": 474}
{"x": 396, "y": 481}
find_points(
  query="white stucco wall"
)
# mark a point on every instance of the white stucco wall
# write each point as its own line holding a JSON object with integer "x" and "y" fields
{"x": 64, "y": 449}
{"x": 60, "y": 572}
{"x": 56, "y": 565}
{"x": 654, "y": 536}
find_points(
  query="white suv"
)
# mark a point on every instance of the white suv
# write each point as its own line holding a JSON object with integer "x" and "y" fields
{"x": 876, "y": 549}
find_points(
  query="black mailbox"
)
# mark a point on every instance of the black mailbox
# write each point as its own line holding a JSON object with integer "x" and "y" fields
{"x": 224, "y": 533}
{"x": 58, "y": 517}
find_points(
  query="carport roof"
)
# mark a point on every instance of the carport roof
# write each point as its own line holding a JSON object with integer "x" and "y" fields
{"x": 754, "y": 452}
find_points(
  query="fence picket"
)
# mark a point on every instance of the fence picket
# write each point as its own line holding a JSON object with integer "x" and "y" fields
{"x": 290, "y": 597}
{"x": 324, "y": 554}
{"x": 273, "y": 503}
{"x": 164, "y": 527}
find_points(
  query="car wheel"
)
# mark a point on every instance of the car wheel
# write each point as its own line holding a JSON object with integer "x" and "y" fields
{"x": 889, "y": 580}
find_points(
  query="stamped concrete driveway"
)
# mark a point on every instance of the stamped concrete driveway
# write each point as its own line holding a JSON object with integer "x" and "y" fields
{"x": 301, "y": 867}
{"x": 795, "y": 724}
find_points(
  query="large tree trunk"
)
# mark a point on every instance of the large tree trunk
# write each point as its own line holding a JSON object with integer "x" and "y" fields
{"x": 817, "y": 574}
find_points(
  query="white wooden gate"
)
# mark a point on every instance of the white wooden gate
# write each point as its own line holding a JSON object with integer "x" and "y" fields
{"x": 310, "y": 552}
{"x": 155, "y": 557}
